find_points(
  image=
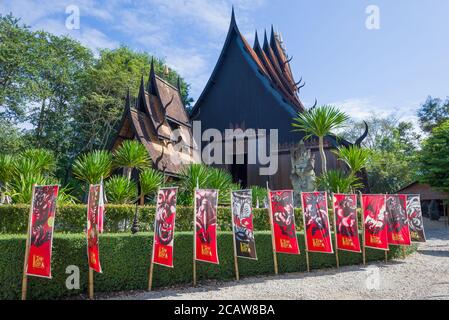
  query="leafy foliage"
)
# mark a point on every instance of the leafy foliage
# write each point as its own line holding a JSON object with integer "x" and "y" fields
{"x": 433, "y": 113}
{"x": 319, "y": 122}
{"x": 150, "y": 180}
{"x": 93, "y": 166}
{"x": 355, "y": 157}
{"x": 120, "y": 190}
{"x": 131, "y": 154}
{"x": 336, "y": 181}
{"x": 434, "y": 159}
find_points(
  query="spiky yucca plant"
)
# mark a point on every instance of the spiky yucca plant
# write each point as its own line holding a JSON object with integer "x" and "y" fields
{"x": 355, "y": 157}
{"x": 336, "y": 181}
{"x": 91, "y": 167}
{"x": 120, "y": 190}
{"x": 150, "y": 180}
{"x": 43, "y": 160}
{"x": 319, "y": 122}
{"x": 131, "y": 155}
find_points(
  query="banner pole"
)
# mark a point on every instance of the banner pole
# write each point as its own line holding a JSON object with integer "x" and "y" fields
{"x": 305, "y": 235}
{"x": 91, "y": 283}
{"x": 386, "y": 251}
{"x": 273, "y": 242}
{"x": 150, "y": 271}
{"x": 194, "y": 234}
{"x": 236, "y": 264}
{"x": 386, "y": 256}
{"x": 363, "y": 228}
{"x": 27, "y": 249}
{"x": 335, "y": 234}
{"x": 150, "y": 275}
{"x": 403, "y": 252}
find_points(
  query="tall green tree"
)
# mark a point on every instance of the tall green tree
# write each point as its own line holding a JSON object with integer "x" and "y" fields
{"x": 392, "y": 152}
{"x": 108, "y": 82}
{"x": 434, "y": 158}
{"x": 432, "y": 113}
{"x": 319, "y": 122}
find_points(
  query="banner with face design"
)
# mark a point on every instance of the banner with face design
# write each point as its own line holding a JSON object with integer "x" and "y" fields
{"x": 375, "y": 221}
{"x": 164, "y": 227}
{"x": 398, "y": 230}
{"x": 42, "y": 219}
{"x": 242, "y": 223}
{"x": 345, "y": 215}
{"x": 415, "y": 220}
{"x": 93, "y": 211}
{"x": 206, "y": 202}
{"x": 283, "y": 217}
{"x": 316, "y": 222}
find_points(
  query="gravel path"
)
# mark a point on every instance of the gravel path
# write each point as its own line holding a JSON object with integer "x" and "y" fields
{"x": 423, "y": 275}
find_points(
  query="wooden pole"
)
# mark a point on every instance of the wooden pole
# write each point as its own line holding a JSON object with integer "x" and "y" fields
{"x": 273, "y": 243}
{"x": 363, "y": 228}
{"x": 236, "y": 264}
{"x": 91, "y": 283}
{"x": 150, "y": 275}
{"x": 150, "y": 271}
{"x": 27, "y": 249}
{"x": 403, "y": 252}
{"x": 335, "y": 233}
{"x": 305, "y": 235}
{"x": 194, "y": 233}
{"x": 386, "y": 256}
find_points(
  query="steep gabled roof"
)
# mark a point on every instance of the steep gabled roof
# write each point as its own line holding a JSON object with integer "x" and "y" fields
{"x": 148, "y": 122}
{"x": 291, "y": 103}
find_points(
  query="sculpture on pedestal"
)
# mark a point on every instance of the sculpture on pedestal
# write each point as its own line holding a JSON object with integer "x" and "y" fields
{"x": 302, "y": 175}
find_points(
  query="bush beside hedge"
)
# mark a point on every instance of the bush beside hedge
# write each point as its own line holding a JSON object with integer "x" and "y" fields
{"x": 125, "y": 260}
{"x": 72, "y": 218}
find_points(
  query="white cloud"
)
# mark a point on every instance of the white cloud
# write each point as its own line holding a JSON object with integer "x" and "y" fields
{"x": 364, "y": 108}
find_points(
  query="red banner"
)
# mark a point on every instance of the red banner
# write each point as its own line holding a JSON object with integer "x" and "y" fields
{"x": 206, "y": 202}
{"x": 93, "y": 208}
{"x": 345, "y": 215}
{"x": 375, "y": 221}
{"x": 42, "y": 220}
{"x": 164, "y": 227}
{"x": 283, "y": 216}
{"x": 316, "y": 222}
{"x": 398, "y": 230}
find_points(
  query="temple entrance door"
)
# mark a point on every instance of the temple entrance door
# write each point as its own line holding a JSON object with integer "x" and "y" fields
{"x": 239, "y": 172}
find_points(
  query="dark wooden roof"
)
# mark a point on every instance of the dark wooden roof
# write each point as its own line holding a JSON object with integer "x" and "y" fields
{"x": 426, "y": 191}
{"x": 148, "y": 122}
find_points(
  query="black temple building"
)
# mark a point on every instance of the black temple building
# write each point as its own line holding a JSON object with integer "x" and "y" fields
{"x": 254, "y": 87}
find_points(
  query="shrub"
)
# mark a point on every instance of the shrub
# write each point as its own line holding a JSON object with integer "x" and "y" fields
{"x": 120, "y": 190}
{"x": 125, "y": 260}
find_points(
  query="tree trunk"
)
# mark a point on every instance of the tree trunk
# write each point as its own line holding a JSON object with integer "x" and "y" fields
{"x": 127, "y": 172}
{"x": 323, "y": 155}
{"x": 142, "y": 199}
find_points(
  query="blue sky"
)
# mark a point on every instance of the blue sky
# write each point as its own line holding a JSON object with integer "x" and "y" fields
{"x": 386, "y": 71}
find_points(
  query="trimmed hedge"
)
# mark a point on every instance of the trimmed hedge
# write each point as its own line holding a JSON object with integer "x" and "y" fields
{"x": 72, "y": 218}
{"x": 125, "y": 260}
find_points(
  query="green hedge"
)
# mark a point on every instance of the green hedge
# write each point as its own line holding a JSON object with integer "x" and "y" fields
{"x": 72, "y": 218}
{"x": 125, "y": 259}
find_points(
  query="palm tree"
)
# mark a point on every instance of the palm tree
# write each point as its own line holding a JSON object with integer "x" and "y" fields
{"x": 93, "y": 166}
{"x": 355, "y": 157}
{"x": 319, "y": 122}
{"x": 150, "y": 180}
{"x": 131, "y": 155}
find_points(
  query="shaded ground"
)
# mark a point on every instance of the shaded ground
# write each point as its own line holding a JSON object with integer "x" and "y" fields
{"x": 423, "y": 275}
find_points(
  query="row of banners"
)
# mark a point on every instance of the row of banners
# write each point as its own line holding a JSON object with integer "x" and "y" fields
{"x": 387, "y": 219}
